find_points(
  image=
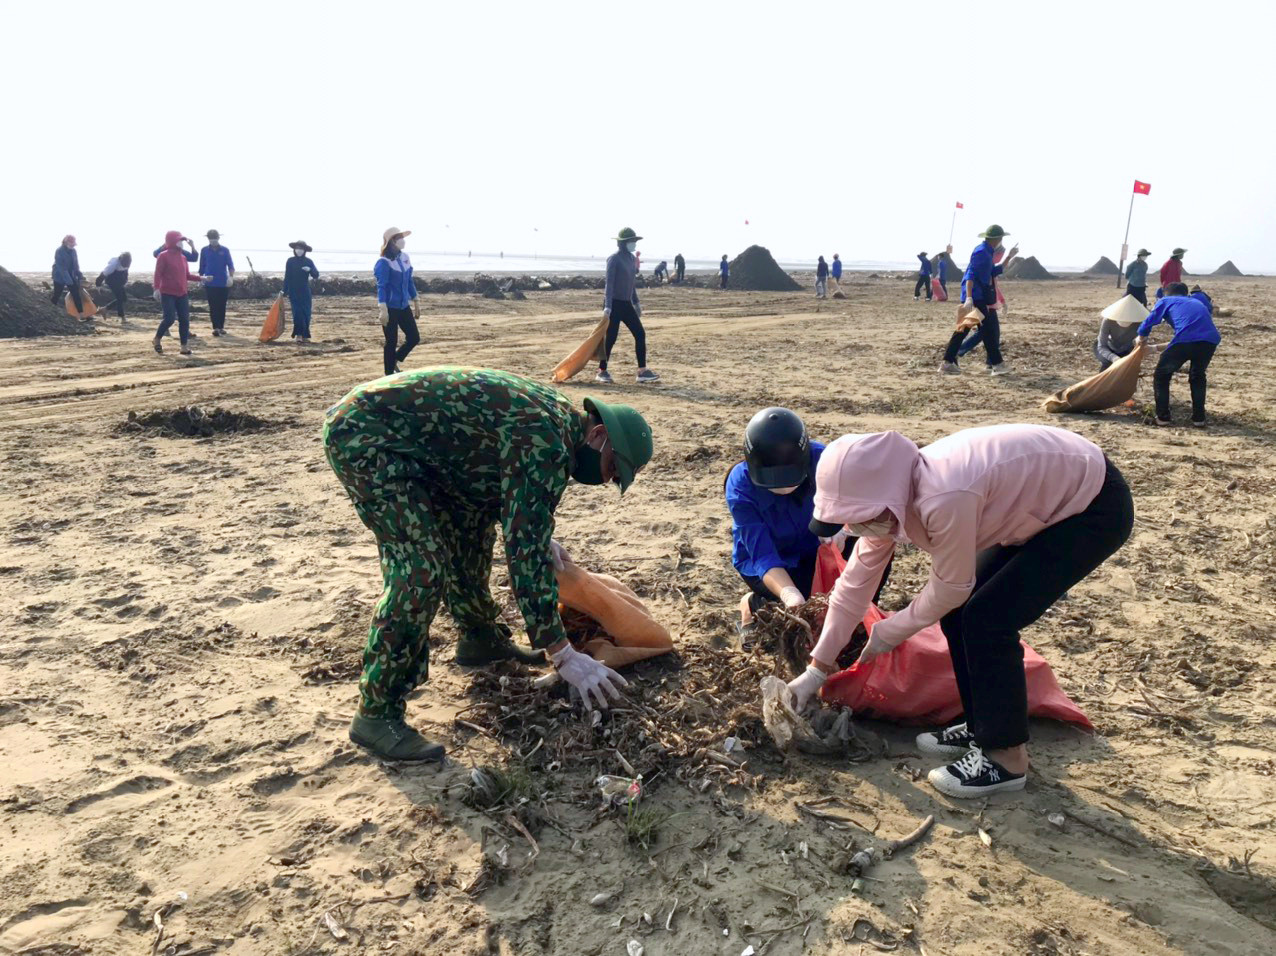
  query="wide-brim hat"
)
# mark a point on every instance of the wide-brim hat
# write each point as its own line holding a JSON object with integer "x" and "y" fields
{"x": 300, "y": 244}
{"x": 1177, "y": 252}
{"x": 392, "y": 232}
{"x": 1143, "y": 252}
{"x": 630, "y": 436}
{"x": 212, "y": 234}
{"x": 993, "y": 232}
{"x": 628, "y": 235}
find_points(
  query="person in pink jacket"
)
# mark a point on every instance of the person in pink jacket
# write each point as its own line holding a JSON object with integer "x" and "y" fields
{"x": 172, "y": 284}
{"x": 1012, "y": 517}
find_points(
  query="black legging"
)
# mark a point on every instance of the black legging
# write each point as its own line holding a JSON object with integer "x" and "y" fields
{"x": 1138, "y": 291}
{"x": 622, "y": 311}
{"x": 217, "y": 296}
{"x": 1014, "y": 586}
{"x": 991, "y": 329}
{"x": 394, "y": 353}
{"x": 923, "y": 282}
{"x": 59, "y": 289}
{"x": 120, "y": 291}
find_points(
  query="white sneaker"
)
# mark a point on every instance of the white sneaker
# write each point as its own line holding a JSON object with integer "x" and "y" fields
{"x": 974, "y": 775}
{"x": 954, "y": 741}
{"x": 1002, "y": 369}
{"x": 949, "y": 368}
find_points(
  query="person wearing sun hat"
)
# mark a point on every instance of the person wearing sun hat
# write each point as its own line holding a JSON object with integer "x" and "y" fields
{"x": 218, "y": 269}
{"x": 435, "y": 459}
{"x": 620, "y": 304}
{"x": 978, "y": 289}
{"x": 1172, "y": 271}
{"x": 397, "y": 303}
{"x": 299, "y": 272}
{"x": 1136, "y": 276}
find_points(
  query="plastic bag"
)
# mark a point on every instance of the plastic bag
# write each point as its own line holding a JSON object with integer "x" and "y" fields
{"x": 938, "y": 291}
{"x": 89, "y": 308}
{"x": 632, "y": 634}
{"x": 590, "y": 349}
{"x": 273, "y": 327}
{"x": 915, "y": 682}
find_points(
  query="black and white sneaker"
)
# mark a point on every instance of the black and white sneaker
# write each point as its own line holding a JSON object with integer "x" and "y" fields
{"x": 954, "y": 741}
{"x": 974, "y": 775}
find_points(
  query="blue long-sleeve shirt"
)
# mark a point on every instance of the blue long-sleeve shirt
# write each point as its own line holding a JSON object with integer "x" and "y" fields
{"x": 190, "y": 255}
{"x": 298, "y": 272}
{"x": 622, "y": 271}
{"x": 216, "y": 263}
{"x": 1204, "y": 299}
{"x": 394, "y": 281}
{"x": 1190, "y": 318}
{"x": 1136, "y": 274}
{"x": 837, "y": 268}
{"x": 66, "y": 266}
{"x": 724, "y": 268}
{"x": 977, "y": 282}
{"x": 925, "y": 269}
{"x": 769, "y": 530}
{"x": 943, "y": 270}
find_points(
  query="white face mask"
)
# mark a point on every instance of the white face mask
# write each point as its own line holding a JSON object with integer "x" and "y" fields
{"x": 784, "y": 491}
{"x": 399, "y": 244}
{"x": 631, "y": 246}
{"x": 872, "y": 529}
{"x": 299, "y": 252}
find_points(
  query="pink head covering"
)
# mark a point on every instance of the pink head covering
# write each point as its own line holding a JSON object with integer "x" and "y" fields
{"x": 172, "y": 238}
{"x": 68, "y": 238}
{"x": 859, "y": 475}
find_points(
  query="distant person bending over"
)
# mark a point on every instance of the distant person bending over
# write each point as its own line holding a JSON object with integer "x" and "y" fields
{"x": 978, "y": 289}
{"x": 821, "y": 279}
{"x": 172, "y": 283}
{"x": 1195, "y": 340}
{"x": 218, "y": 270}
{"x": 620, "y": 304}
{"x": 661, "y": 275}
{"x": 724, "y": 271}
{"x": 836, "y": 271}
{"x": 680, "y": 268}
{"x": 67, "y": 276}
{"x": 396, "y": 298}
{"x": 1200, "y": 296}
{"x": 1136, "y": 277}
{"x": 115, "y": 278}
{"x": 1171, "y": 272}
{"x": 923, "y": 278}
{"x": 299, "y": 272}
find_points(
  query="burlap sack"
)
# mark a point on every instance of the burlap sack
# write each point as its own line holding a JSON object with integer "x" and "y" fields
{"x": 589, "y": 350}
{"x": 1109, "y": 388}
{"x": 632, "y": 633}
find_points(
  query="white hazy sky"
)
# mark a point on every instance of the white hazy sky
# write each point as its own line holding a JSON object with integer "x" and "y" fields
{"x": 829, "y": 127}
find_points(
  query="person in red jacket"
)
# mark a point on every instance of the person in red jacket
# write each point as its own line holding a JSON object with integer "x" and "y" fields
{"x": 172, "y": 283}
{"x": 1171, "y": 272}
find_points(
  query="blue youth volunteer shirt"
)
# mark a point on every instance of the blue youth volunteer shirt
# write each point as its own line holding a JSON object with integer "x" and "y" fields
{"x": 769, "y": 530}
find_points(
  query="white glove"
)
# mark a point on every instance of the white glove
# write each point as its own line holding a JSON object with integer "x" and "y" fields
{"x": 838, "y": 540}
{"x": 559, "y": 554}
{"x": 157, "y": 295}
{"x": 305, "y": 268}
{"x": 806, "y": 686}
{"x": 383, "y": 311}
{"x": 416, "y": 308}
{"x": 606, "y": 313}
{"x": 588, "y": 676}
{"x": 230, "y": 280}
{"x": 791, "y": 597}
{"x": 875, "y": 647}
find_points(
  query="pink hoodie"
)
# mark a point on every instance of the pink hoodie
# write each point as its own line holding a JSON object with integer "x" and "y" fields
{"x": 976, "y": 488}
{"x": 171, "y": 274}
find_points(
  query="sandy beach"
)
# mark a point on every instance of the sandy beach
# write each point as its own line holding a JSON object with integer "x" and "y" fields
{"x": 184, "y": 616}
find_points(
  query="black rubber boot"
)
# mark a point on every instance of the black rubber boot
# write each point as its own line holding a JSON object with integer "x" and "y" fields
{"x": 392, "y": 739}
{"x": 477, "y": 648}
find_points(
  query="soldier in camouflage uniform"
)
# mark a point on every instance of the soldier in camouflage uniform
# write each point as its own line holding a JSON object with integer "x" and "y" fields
{"x": 434, "y": 460}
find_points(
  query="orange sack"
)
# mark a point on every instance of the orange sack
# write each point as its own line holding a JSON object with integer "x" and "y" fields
{"x": 273, "y": 327}
{"x": 632, "y": 633}
{"x": 589, "y": 350}
{"x": 1113, "y": 386}
{"x": 89, "y": 308}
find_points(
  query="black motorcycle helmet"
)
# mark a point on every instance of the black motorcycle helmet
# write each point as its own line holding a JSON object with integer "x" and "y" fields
{"x": 777, "y": 449}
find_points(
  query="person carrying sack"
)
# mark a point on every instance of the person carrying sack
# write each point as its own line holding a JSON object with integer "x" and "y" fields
{"x": 979, "y": 293}
{"x": 67, "y": 276}
{"x": 1013, "y": 516}
{"x": 1196, "y": 337}
{"x": 397, "y": 303}
{"x": 620, "y": 304}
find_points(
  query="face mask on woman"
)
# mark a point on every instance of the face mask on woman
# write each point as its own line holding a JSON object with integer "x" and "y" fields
{"x": 400, "y": 243}
{"x": 299, "y": 252}
{"x": 630, "y": 247}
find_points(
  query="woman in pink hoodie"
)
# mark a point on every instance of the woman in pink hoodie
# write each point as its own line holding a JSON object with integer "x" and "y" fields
{"x": 1012, "y": 516}
{"x": 172, "y": 279}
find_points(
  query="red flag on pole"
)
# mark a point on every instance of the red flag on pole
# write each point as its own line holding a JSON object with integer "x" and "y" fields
{"x": 1144, "y": 188}
{"x": 960, "y": 206}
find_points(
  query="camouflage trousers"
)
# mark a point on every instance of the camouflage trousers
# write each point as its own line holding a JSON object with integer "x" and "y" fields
{"x": 431, "y": 550}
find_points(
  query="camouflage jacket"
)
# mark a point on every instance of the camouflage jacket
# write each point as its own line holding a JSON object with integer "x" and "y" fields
{"x": 483, "y": 441}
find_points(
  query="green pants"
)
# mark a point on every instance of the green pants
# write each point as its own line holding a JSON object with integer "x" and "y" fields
{"x": 431, "y": 550}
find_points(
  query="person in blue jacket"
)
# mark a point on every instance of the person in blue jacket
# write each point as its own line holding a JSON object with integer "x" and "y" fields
{"x": 1202, "y": 297}
{"x": 837, "y": 271}
{"x": 299, "y": 272}
{"x": 941, "y": 269}
{"x": 1195, "y": 340}
{"x": 396, "y": 298}
{"x": 977, "y": 288}
{"x": 771, "y": 497}
{"x": 724, "y": 272}
{"x": 218, "y": 270}
{"x": 923, "y": 278}
{"x": 67, "y": 276}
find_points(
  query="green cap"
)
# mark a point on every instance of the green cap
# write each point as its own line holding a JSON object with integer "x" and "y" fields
{"x": 1177, "y": 252}
{"x": 1143, "y": 252}
{"x": 630, "y": 436}
{"x": 993, "y": 232}
{"x": 628, "y": 235}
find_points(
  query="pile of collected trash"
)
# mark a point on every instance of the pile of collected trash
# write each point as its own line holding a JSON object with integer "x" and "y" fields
{"x": 25, "y": 313}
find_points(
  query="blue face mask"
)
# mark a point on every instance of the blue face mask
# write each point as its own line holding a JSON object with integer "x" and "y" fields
{"x": 589, "y": 466}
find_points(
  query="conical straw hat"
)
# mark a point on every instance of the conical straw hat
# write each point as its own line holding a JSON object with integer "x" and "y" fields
{"x": 1127, "y": 311}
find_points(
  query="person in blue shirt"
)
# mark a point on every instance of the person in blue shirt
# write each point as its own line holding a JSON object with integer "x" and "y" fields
{"x": 396, "y": 298}
{"x": 941, "y": 269}
{"x": 978, "y": 290}
{"x": 1200, "y": 296}
{"x": 1195, "y": 340}
{"x": 923, "y": 278}
{"x": 821, "y": 279}
{"x": 218, "y": 270}
{"x": 724, "y": 271}
{"x": 299, "y": 272}
{"x": 67, "y": 277}
{"x": 837, "y": 272}
{"x": 771, "y": 497}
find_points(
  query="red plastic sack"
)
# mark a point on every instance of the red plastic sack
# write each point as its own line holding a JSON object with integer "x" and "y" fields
{"x": 915, "y": 682}
{"x": 938, "y": 291}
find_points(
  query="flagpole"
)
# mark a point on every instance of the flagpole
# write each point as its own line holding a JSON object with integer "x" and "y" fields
{"x": 1125, "y": 246}
{"x": 952, "y": 226}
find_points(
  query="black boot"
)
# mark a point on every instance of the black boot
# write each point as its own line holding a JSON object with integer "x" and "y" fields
{"x": 487, "y": 646}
